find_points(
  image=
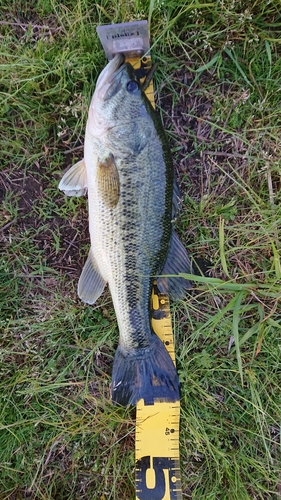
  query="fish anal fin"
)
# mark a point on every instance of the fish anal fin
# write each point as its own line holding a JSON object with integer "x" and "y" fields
{"x": 91, "y": 284}
{"x": 108, "y": 181}
{"x": 74, "y": 181}
{"x": 177, "y": 262}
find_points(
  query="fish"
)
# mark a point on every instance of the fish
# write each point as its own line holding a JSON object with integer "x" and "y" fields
{"x": 133, "y": 197}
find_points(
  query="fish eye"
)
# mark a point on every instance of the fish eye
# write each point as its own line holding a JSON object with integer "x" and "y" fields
{"x": 132, "y": 86}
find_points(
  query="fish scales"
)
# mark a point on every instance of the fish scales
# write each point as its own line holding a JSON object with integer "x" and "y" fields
{"x": 131, "y": 240}
{"x": 128, "y": 173}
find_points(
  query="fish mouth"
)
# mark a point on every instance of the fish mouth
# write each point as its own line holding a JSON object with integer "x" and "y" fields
{"x": 108, "y": 82}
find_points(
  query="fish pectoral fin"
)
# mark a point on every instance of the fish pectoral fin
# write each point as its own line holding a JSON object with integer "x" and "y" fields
{"x": 177, "y": 262}
{"x": 74, "y": 181}
{"x": 108, "y": 181}
{"x": 91, "y": 284}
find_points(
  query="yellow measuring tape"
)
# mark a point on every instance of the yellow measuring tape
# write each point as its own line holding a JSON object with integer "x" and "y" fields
{"x": 157, "y": 425}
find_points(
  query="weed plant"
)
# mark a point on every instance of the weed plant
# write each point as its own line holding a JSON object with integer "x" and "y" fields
{"x": 218, "y": 91}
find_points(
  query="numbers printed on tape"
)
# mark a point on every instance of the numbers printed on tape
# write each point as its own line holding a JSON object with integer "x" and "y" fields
{"x": 161, "y": 320}
{"x": 157, "y": 477}
{"x": 157, "y": 451}
{"x": 157, "y": 427}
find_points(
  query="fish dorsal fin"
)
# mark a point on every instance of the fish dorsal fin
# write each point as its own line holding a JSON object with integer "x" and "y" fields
{"x": 74, "y": 181}
{"x": 91, "y": 283}
{"x": 177, "y": 262}
{"x": 108, "y": 181}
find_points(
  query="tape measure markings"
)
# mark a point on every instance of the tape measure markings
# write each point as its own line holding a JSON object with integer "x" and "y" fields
{"x": 157, "y": 473}
{"x": 157, "y": 425}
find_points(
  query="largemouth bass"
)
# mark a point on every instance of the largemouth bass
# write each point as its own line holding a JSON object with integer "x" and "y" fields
{"x": 132, "y": 197}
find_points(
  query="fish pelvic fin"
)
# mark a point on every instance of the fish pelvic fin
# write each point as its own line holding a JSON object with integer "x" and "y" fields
{"x": 74, "y": 181}
{"x": 91, "y": 284}
{"x": 146, "y": 373}
{"x": 177, "y": 262}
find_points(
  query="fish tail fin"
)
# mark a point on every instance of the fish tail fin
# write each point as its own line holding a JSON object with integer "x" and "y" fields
{"x": 145, "y": 373}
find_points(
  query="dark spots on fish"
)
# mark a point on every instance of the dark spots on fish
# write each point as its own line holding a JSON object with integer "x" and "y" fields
{"x": 131, "y": 247}
{"x": 136, "y": 320}
{"x": 138, "y": 299}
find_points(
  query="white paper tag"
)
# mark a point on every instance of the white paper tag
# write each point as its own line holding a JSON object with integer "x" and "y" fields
{"x": 130, "y": 38}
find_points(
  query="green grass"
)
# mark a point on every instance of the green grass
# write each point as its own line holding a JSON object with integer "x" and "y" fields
{"x": 218, "y": 91}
